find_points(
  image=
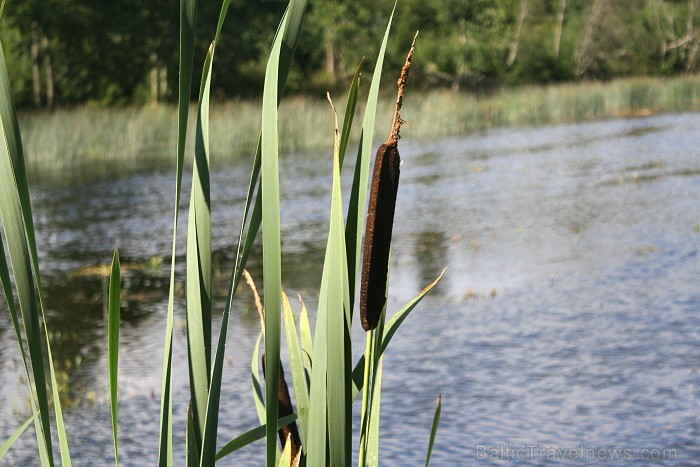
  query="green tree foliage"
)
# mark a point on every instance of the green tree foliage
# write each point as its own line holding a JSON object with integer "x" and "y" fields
{"x": 73, "y": 51}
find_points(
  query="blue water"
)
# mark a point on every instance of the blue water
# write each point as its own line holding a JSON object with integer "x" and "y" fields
{"x": 566, "y": 329}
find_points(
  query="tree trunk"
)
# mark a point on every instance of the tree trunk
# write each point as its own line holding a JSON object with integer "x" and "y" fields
{"x": 692, "y": 46}
{"x": 48, "y": 71}
{"x": 515, "y": 44}
{"x": 36, "y": 71}
{"x": 162, "y": 81}
{"x": 154, "y": 78}
{"x": 559, "y": 28}
{"x": 584, "y": 54}
{"x": 330, "y": 57}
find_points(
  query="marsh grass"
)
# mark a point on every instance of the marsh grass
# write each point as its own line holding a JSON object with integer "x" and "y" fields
{"x": 142, "y": 137}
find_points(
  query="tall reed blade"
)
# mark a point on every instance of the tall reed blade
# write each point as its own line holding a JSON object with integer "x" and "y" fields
{"x": 349, "y": 116}
{"x": 275, "y": 77}
{"x": 434, "y": 429}
{"x": 250, "y": 437}
{"x": 113, "y": 346}
{"x": 373, "y": 425}
{"x": 199, "y": 267}
{"x": 358, "y": 195}
{"x": 388, "y": 332}
{"x": 272, "y": 257}
{"x": 18, "y": 226}
{"x": 188, "y": 15}
{"x": 301, "y": 390}
{"x": 7, "y": 290}
{"x": 4, "y": 447}
{"x": 333, "y": 300}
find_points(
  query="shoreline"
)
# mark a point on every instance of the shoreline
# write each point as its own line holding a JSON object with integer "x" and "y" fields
{"x": 88, "y": 136}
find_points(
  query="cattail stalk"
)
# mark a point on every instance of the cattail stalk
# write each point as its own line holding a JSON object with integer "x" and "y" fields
{"x": 380, "y": 214}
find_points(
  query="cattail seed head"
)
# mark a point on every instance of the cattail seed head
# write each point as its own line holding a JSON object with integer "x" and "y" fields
{"x": 377, "y": 243}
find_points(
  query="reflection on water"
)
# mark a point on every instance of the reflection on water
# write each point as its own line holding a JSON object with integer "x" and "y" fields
{"x": 568, "y": 316}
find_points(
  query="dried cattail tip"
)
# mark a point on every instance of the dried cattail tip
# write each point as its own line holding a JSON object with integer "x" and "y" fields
{"x": 290, "y": 431}
{"x": 380, "y": 223}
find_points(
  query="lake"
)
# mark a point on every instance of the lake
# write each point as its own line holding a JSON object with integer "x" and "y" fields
{"x": 567, "y": 326}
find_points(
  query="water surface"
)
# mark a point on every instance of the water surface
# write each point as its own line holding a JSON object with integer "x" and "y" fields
{"x": 569, "y": 316}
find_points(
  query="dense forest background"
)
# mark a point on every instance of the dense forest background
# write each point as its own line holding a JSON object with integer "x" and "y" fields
{"x": 67, "y": 52}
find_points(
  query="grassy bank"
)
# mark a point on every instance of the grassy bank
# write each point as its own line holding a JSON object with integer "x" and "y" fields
{"x": 138, "y": 137}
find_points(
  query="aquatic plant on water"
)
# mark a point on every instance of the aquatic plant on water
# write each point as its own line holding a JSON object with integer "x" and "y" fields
{"x": 325, "y": 383}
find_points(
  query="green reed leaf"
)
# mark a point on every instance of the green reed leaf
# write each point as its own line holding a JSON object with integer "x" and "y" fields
{"x": 355, "y": 223}
{"x": 307, "y": 347}
{"x": 255, "y": 377}
{"x": 4, "y": 447}
{"x": 7, "y": 290}
{"x": 188, "y": 15}
{"x": 272, "y": 255}
{"x": 301, "y": 391}
{"x": 434, "y": 429}
{"x": 15, "y": 211}
{"x": 390, "y": 329}
{"x": 373, "y": 425}
{"x": 113, "y": 345}
{"x": 350, "y": 107}
{"x": 332, "y": 303}
{"x": 250, "y": 437}
{"x": 207, "y": 413}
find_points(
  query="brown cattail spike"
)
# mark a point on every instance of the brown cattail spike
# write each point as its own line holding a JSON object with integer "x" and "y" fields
{"x": 380, "y": 214}
{"x": 285, "y": 408}
{"x": 380, "y": 223}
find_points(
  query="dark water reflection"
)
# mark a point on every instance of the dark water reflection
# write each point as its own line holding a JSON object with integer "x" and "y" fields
{"x": 569, "y": 317}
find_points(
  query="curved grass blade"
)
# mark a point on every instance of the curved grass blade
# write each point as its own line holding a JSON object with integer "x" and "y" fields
{"x": 350, "y": 107}
{"x": 255, "y": 376}
{"x": 332, "y": 301}
{"x": 301, "y": 391}
{"x": 316, "y": 441}
{"x": 250, "y": 437}
{"x": 7, "y": 290}
{"x": 272, "y": 256}
{"x": 14, "y": 437}
{"x": 307, "y": 347}
{"x": 15, "y": 211}
{"x": 14, "y": 147}
{"x": 434, "y": 429}
{"x": 364, "y": 413}
{"x": 373, "y": 425}
{"x": 326, "y": 405}
{"x": 113, "y": 345}
{"x": 198, "y": 277}
{"x": 205, "y": 404}
{"x": 358, "y": 195}
{"x": 188, "y": 14}
{"x": 295, "y": 12}
{"x": 390, "y": 329}
{"x": 286, "y": 457}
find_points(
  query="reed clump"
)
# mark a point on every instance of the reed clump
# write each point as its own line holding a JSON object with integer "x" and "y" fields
{"x": 146, "y": 136}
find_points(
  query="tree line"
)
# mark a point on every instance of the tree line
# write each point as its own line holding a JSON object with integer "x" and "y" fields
{"x": 67, "y": 52}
